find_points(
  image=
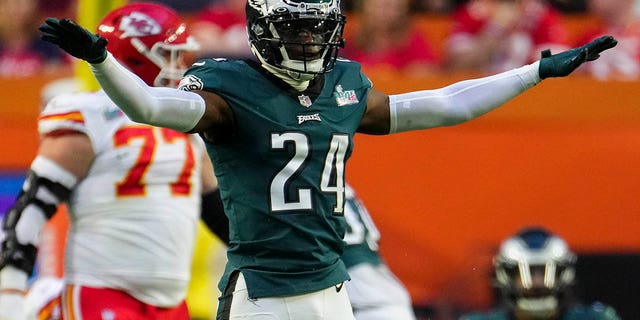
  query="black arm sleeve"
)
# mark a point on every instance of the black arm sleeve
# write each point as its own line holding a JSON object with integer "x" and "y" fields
{"x": 213, "y": 215}
{"x": 12, "y": 251}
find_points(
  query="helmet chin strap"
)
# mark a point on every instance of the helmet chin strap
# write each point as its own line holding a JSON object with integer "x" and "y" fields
{"x": 298, "y": 80}
{"x": 537, "y": 308}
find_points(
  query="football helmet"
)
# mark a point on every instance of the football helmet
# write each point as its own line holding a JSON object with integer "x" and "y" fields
{"x": 148, "y": 39}
{"x": 534, "y": 271}
{"x": 299, "y": 36}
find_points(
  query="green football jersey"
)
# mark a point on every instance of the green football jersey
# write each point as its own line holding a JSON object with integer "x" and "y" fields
{"x": 596, "y": 311}
{"x": 281, "y": 172}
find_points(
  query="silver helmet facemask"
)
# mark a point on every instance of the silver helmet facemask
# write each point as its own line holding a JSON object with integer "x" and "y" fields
{"x": 534, "y": 272}
{"x": 296, "y": 36}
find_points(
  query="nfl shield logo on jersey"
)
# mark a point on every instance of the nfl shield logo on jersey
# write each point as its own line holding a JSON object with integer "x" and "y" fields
{"x": 304, "y": 100}
{"x": 344, "y": 98}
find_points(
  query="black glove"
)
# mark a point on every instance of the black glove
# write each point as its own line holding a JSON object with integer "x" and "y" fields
{"x": 74, "y": 39}
{"x": 563, "y": 63}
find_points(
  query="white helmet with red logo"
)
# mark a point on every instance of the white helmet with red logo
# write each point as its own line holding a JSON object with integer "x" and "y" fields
{"x": 148, "y": 38}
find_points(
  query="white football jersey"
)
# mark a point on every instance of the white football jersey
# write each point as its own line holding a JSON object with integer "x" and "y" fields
{"x": 134, "y": 217}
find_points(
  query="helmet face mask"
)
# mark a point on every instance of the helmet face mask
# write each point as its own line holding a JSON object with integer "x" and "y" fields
{"x": 534, "y": 272}
{"x": 168, "y": 57}
{"x": 148, "y": 39}
{"x": 296, "y": 36}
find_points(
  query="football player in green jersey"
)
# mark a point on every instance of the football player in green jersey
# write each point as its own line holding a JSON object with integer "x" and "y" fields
{"x": 535, "y": 274}
{"x": 374, "y": 291}
{"x": 279, "y": 131}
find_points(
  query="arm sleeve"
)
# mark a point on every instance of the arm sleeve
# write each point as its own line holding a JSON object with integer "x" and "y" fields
{"x": 460, "y": 101}
{"x": 162, "y": 107}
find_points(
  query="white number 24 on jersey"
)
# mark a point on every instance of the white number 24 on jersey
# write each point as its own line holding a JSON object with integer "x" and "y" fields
{"x": 333, "y": 165}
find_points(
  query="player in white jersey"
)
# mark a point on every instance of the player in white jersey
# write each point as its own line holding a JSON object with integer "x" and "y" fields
{"x": 133, "y": 191}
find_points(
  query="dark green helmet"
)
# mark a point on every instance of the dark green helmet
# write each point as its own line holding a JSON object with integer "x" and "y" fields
{"x": 534, "y": 271}
{"x": 293, "y": 35}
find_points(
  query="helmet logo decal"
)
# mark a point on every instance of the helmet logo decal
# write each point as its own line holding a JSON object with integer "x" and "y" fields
{"x": 139, "y": 25}
{"x": 256, "y": 4}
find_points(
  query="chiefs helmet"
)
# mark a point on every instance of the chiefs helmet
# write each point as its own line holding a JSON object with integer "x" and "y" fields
{"x": 534, "y": 271}
{"x": 148, "y": 38}
{"x": 296, "y": 36}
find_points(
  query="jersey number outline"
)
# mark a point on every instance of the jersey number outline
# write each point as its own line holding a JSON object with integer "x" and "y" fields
{"x": 333, "y": 171}
{"x": 132, "y": 184}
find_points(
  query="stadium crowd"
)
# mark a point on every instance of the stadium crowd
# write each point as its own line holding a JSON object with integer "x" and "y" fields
{"x": 476, "y": 36}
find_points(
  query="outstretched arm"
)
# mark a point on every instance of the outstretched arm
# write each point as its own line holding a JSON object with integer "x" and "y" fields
{"x": 470, "y": 99}
{"x": 164, "y": 107}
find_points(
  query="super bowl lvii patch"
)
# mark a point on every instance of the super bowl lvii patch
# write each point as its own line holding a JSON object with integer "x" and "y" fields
{"x": 344, "y": 98}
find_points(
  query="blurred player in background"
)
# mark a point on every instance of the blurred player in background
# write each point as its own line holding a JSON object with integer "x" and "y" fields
{"x": 280, "y": 129}
{"x": 133, "y": 191}
{"x": 535, "y": 275}
{"x": 374, "y": 291}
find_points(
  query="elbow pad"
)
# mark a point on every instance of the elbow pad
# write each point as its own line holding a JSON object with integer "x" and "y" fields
{"x": 46, "y": 185}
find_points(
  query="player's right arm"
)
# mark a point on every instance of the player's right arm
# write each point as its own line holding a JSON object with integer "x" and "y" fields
{"x": 186, "y": 111}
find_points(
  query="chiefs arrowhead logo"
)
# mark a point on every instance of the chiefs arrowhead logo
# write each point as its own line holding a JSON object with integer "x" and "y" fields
{"x": 139, "y": 25}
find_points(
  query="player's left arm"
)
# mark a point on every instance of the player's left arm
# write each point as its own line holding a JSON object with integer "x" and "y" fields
{"x": 470, "y": 99}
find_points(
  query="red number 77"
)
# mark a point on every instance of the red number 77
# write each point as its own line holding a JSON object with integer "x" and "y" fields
{"x": 133, "y": 184}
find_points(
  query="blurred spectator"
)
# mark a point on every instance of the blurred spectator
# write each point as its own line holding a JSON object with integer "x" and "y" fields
{"x": 57, "y": 7}
{"x": 616, "y": 18}
{"x": 182, "y": 6}
{"x": 534, "y": 275}
{"x": 570, "y": 6}
{"x": 387, "y": 36}
{"x": 491, "y": 36}
{"x": 435, "y": 6}
{"x": 221, "y": 30}
{"x": 22, "y": 53}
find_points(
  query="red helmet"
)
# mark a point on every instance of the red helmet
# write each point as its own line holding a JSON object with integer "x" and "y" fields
{"x": 147, "y": 38}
